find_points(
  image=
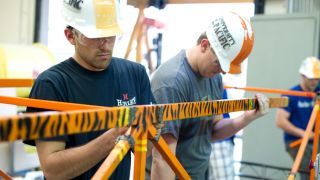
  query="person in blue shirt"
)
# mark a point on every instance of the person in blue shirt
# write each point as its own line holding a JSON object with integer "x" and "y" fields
{"x": 221, "y": 164}
{"x": 294, "y": 118}
{"x": 91, "y": 76}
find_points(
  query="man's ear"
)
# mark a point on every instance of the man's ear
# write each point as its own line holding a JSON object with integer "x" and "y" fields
{"x": 70, "y": 35}
{"x": 204, "y": 44}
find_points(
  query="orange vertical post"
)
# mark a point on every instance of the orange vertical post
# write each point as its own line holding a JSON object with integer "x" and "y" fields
{"x": 140, "y": 156}
{"x": 315, "y": 144}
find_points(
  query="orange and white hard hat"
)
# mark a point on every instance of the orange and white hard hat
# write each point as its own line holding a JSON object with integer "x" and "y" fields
{"x": 93, "y": 18}
{"x": 310, "y": 67}
{"x": 231, "y": 37}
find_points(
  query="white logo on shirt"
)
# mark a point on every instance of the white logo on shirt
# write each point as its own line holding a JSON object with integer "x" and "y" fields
{"x": 129, "y": 102}
{"x": 305, "y": 104}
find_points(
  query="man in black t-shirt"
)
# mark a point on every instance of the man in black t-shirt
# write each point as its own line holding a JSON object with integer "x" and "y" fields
{"x": 90, "y": 76}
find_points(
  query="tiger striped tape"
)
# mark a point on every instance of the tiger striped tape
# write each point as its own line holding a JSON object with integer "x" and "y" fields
{"x": 51, "y": 124}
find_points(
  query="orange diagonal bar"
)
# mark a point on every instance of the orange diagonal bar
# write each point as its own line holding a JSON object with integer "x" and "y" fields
{"x": 115, "y": 156}
{"x": 5, "y": 176}
{"x": 167, "y": 154}
{"x": 303, "y": 145}
{"x": 276, "y": 91}
{"x": 16, "y": 82}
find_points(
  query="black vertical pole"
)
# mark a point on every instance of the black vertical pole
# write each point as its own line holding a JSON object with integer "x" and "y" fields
{"x": 259, "y": 6}
{"x": 36, "y": 35}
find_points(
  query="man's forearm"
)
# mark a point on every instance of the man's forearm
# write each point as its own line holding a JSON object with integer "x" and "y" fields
{"x": 289, "y": 128}
{"x": 70, "y": 163}
{"x": 160, "y": 168}
{"x": 228, "y": 127}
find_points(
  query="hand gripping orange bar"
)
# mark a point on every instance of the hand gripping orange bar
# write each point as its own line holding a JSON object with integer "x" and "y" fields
{"x": 115, "y": 156}
{"x": 276, "y": 91}
{"x": 16, "y": 82}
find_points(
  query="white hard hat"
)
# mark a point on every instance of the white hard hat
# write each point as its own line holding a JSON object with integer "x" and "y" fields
{"x": 93, "y": 18}
{"x": 310, "y": 67}
{"x": 231, "y": 37}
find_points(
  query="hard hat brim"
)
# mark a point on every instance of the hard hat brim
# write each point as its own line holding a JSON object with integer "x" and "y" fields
{"x": 92, "y": 32}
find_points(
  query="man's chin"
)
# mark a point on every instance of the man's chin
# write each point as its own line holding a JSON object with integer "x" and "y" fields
{"x": 99, "y": 66}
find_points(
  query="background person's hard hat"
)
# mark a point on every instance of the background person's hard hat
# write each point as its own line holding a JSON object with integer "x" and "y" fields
{"x": 310, "y": 67}
{"x": 231, "y": 37}
{"x": 93, "y": 18}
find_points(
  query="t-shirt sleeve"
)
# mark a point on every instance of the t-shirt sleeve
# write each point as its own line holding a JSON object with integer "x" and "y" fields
{"x": 167, "y": 95}
{"x": 44, "y": 89}
{"x": 290, "y": 104}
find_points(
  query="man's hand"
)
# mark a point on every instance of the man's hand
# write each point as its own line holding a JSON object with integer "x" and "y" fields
{"x": 120, "y": 130}
{"x": 263, "y": 108}
{"x": 117, "y": 132}
{"x": 158, "y": 126}
{"x": 263, "y": 104}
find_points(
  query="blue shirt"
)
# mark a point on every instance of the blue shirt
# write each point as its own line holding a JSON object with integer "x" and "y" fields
{"x": 300, "y": 109}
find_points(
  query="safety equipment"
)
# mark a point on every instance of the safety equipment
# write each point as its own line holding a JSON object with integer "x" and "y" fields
{"x": 94, "y": 42}
{"x": 310, "y": 67}
{"x": 93, "y": 18}
{"x": 231, "y": 37}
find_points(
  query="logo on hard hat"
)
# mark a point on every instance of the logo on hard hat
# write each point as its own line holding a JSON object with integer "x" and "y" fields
{"x": 222, "y": 33}
{"x": 74, "y": 4}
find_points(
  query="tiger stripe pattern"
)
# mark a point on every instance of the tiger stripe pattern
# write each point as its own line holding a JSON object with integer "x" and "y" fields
{"x": 51, "y": 124}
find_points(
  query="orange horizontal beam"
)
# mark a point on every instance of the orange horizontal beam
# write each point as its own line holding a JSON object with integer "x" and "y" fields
{"x": 16, "y": 82}
{"x": 295, "y": 143}
{"x": 44, "y": 104}
{"x": 26, "y": 126}
{"x": 275, "y": 91}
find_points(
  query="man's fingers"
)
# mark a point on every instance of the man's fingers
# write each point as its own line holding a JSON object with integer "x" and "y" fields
{"x": 122, "y": 130}
{"x": 263, "y": 103}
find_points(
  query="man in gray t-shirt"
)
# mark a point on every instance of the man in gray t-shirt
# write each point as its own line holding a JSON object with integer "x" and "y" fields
{"x": 194, "y": 75}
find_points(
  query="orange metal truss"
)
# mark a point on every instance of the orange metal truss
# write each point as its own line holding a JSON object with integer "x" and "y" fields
{"x": 141, "y": 119}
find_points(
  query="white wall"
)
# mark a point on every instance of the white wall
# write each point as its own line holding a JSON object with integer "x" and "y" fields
{"x": 275, "y": 7}
{"x": 274, "y": 63}
{"x": 17, "y": 21}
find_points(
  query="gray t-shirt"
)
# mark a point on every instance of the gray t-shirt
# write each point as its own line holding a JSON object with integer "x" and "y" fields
{"x": 175, "y": 82}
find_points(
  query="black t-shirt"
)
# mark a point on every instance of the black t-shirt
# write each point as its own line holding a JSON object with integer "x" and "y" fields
{"x": 123, "y": 83}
